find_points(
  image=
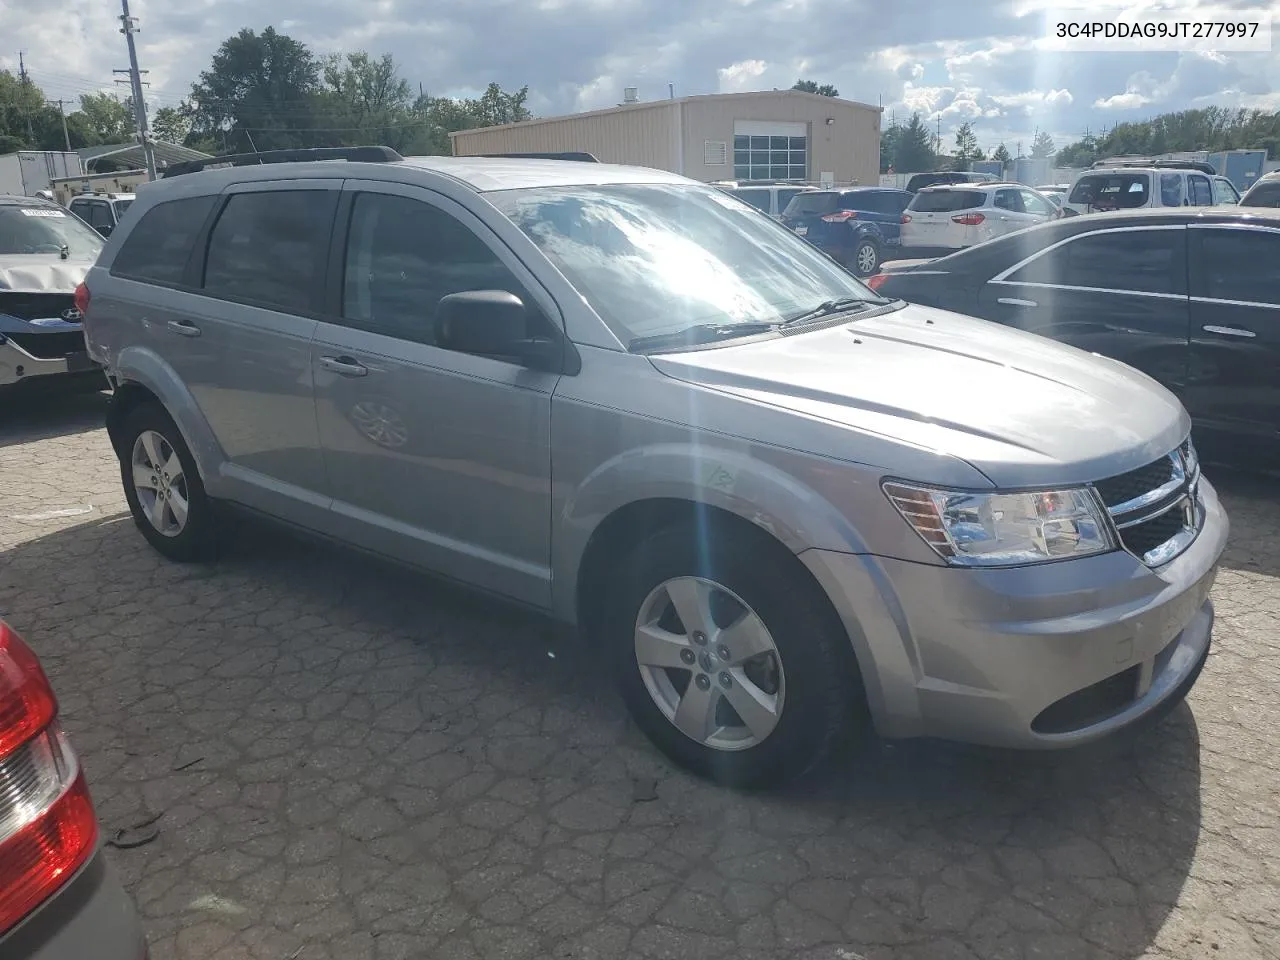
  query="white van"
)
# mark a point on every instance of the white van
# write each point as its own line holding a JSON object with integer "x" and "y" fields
{"x": 1125, "y": 185}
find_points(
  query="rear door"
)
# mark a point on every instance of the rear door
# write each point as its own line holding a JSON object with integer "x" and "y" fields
{"x": 880, "y": 208}
{"x": 929, "y": 218}
{"x": 1234, "y": 381}
{"x": 1120, "y": 292}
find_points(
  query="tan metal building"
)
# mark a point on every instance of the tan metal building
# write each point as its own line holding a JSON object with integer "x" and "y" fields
{"x": 770, "y": 135}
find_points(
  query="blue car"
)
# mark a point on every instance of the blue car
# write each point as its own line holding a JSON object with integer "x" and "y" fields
{"x": 855, "y": 226}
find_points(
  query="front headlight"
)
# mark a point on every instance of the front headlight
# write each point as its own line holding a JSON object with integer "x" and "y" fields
{"x": 1004, "y": 529}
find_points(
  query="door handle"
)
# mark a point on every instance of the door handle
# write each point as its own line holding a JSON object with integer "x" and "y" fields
{"x": 345, "y": 366}
{"x": 1015, "y": 302}
{"x": 1229, "y": 331}
{"x": 184, "y": 328}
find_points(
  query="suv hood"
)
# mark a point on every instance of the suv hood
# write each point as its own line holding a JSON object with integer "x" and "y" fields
{"x": 1024, "y": 410}
{"x": 41, "y": 273}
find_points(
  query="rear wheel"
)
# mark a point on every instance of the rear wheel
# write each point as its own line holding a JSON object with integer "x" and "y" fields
{"x": 866, "y": 257}
{"x": 725, "y": 658}
{"x": 162, "y": 485}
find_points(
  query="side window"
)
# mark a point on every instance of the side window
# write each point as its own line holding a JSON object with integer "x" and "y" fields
{"x": 81, "y": 209}
{"x": 757, "y": 198}
{"x": 158, "y": 247}
{"x": 1032, "y": 203}
{"x": 1224, "y": 192}
{"x": 404, "y": 256}
{"x": 1171, "y": 190}
{"x": 1147, "y": 261}
{"x": 100, "y": 215}
{"x": 269, "y": 248}
{"x": 1008, "y": 200}
{"x": 1229, "y": 265}
{"x": 1201, "y": 193}
{"x": 1265, "y": 195}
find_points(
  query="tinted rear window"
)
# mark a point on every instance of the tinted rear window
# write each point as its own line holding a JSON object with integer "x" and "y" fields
{"x": 158, "y": 248}
{"x": 947, "y": 201}
{"x": 1263, "y": 195}
{"x": 812, "y": 204}
{"x": 1118, "y": 190}
{"x": 757, "y": 198}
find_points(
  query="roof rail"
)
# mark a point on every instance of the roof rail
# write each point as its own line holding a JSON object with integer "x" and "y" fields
{"x": 577, "y": 156}
{"x": 354, "y": 154}
{"x": 1196, "y": 165}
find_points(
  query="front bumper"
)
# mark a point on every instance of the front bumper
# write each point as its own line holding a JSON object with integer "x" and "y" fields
{"x": 1045, "y": 656}
{"x": 17, "y": 364}
{"x": 91, "y": 916}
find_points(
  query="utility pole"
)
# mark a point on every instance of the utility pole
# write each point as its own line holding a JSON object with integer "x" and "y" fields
{"x": 66, "y": 137}
{"x": 25, "y": 80}
{"x": 129, "y": 26}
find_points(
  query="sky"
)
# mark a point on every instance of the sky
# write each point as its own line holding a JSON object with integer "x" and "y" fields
{"x": 991, "y": 66}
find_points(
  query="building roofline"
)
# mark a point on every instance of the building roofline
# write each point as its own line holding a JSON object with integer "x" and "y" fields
{"x": 651, "y": 104}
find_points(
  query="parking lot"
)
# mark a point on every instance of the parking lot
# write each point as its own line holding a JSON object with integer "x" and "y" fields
{"x": 301, "y": 754}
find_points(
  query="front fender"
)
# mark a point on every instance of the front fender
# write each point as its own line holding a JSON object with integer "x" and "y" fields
{"x": 144, "y": 367}
{"x": 731, "y": 480}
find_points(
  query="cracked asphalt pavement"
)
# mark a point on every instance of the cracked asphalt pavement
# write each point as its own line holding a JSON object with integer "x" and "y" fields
{"x": 345, "y": 761}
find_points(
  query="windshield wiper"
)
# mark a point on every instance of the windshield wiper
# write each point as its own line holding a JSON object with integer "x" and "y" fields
{"x": 830, "y": 307}
{"x": 701, "y": 333}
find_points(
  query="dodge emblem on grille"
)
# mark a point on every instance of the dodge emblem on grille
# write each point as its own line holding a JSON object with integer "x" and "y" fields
{"x": 71, "y": 315}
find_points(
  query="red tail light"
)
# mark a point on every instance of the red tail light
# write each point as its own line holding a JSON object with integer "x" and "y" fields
{"x": 968, "y": 219}
{"x": 840, "y": 216}
{"x": 906, "y": 218}
{"x": 82, "y": 300}
{"x": 876, "y": 282}
{"x": 47, "y": 824}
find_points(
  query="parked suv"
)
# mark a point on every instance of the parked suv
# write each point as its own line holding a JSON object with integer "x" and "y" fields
{"x": 855, "y": 226}
{"x": 776, "y": 501}
{"x": 101, "y": 211}
{"x": 770, "y": 198}
{"x": 951, "y": 218}
{"x": 1161, "y": 183}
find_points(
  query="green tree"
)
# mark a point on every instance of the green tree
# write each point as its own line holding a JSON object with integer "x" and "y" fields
{"x": 261, "y": 91}
{"x": 171, "y": 124}
{"x": 365, "y": 100}
{"x": 107, "y": 118}
{"x": 1042, "y": 146}
{"x": 21, "y": 105}
{"x": 914, "y": 151}
{"x": 812, "y": 86}
{"x": 1206, "y": 128}
{"x": 966, "y": 146}
{"x": 440, "y": 116}
{"x": 1001, "y": 153}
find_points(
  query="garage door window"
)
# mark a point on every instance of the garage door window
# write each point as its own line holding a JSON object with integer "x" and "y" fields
{"x": 770, "y": 158}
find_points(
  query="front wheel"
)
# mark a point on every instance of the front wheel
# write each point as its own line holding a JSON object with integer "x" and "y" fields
{"x": 725, "y": 658}
{"x": 162, "y": 486}
{"x": 866, "y": 257}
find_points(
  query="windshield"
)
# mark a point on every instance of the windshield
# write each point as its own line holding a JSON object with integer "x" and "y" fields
{"x": 658, "y": 259}
{"x": 1119, "y": 190}
{"x": 946, "y": 201}
{"x": 31, "y": 229}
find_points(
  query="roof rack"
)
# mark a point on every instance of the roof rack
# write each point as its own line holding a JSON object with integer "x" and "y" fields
{"x": 1196, "y": 165}
{"x": 353, "y": 154}
{"x": 577, "y": 156}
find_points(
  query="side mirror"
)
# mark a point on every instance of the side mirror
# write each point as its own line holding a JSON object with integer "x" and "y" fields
{"x": 492, "y": 323}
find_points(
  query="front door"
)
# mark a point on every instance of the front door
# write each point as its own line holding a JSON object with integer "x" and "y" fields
{"x": 1234, "y": 383}
{"x": 436, "y": 457}
{"x": 1121, "y": 293}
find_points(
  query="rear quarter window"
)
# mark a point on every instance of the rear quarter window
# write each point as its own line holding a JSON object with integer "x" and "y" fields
{"x": 947, "y": 201}
{"x": 158, "y": 248}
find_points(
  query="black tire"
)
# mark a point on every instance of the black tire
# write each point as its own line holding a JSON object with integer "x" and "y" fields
{"x": 822, "y": 690}
{"x": 195, "y": 541}
{"x": 866, "y": 258}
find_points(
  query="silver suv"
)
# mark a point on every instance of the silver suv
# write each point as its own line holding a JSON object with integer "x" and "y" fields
{"x": 779, "y": 503}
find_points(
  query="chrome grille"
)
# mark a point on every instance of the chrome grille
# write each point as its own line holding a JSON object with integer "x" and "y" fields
{"x": 1156, "y": 508}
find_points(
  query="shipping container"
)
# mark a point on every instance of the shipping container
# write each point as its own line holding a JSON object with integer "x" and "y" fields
{"x": 27, "y": 172}
{"x": 1241, "y": 167}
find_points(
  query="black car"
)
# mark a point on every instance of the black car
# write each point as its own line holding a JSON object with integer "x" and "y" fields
{"x": 855, "y": 226}
{"x": 1189, "y": 296}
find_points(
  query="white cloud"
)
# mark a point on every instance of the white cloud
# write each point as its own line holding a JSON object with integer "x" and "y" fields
{"x": 741, "y": 76}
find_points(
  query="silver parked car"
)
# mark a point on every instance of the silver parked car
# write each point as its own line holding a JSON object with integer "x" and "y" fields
{"x": 780, "y": 503}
